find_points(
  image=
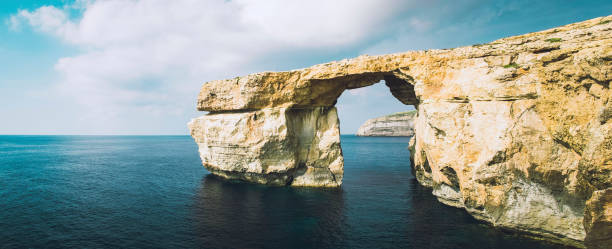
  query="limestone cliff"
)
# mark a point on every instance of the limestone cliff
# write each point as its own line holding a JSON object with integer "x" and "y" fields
{"x": 518, "y": 131}
{"x": 276, "y": 146}
{"x": 394, "y": 125}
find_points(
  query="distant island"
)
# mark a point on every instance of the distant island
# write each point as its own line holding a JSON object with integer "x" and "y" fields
{"x": 400, "y": 124}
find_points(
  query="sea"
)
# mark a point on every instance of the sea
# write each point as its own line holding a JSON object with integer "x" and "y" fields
{"x": 152, "y": 192}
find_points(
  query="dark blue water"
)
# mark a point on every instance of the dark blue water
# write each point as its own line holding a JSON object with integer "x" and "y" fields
{"x": 152, "y": 192}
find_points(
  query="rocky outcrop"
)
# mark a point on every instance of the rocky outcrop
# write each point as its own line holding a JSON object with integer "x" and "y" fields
{"x": 394, "y": 125}
{"x": 276, "y": 146}
{"x": 518, "y": 131}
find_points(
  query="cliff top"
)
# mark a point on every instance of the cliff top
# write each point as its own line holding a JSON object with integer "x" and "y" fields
{"x": 321, "y": 85}
{"x": 400, "y": 114}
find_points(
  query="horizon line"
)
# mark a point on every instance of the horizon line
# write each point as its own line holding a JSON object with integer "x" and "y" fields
{"x": 115, "y": 134}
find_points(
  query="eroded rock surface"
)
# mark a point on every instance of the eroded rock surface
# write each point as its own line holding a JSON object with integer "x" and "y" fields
{"x": 598, "y": 219}
{"x": 393, "y": 125}
{"x": 518, "y": 131}
{"x": 276, "y": 146}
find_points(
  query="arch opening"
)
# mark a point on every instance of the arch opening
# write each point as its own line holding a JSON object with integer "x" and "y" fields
{"x": 321, "y": 162}
{"x": 283, "y": 128}
{"x": 373, "y": 111}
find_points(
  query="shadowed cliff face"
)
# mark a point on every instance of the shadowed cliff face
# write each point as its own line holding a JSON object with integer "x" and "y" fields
{"x": 518, "y": 132}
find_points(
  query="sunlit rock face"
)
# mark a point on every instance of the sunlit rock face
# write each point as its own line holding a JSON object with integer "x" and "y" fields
{"x": 518, "y": 131}
{"x": 525, "y": 145}
{"x": 276, "y": 146}
{"x": 281, "y": 128}
{"x": 394, "y": 125}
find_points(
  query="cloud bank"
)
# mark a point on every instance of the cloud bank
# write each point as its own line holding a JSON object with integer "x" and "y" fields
{"x": 149, "y": 57}
{"x": 138, "y": 64}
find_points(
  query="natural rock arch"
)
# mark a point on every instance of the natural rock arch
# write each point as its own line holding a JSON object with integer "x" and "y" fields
{"x": 517, "y": 131}
{"x": 282, "y": 128}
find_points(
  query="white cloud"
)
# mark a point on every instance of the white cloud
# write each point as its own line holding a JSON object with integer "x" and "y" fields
{"x": 46, "y": 19}
{"x": 420, "y": 25}
{"x": 358, "y": 92}
{"x": 447, "y": 24}
{"x": 13, "y": 23}
{"x": 140, "y": 63}
{"x": 138, "y": 56}
{"x": 377, "y": 90}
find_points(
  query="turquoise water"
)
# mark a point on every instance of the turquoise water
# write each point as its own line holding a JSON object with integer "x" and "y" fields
{"x": 152, "y": 192}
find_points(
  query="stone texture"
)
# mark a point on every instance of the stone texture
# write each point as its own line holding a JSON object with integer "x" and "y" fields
{"x": 277, "y": 146}
{"x": 394, "y": 125}
{"x": 518, "y": 132}
{"x": 598, "y": 219}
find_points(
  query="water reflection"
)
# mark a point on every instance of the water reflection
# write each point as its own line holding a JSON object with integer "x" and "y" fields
{"x": 380, "y": 205}
{"x": 435, "y": 225}
{"x": 242, "y": 215}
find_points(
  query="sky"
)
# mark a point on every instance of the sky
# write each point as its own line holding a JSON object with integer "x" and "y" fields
{"x": 135, "y": 67}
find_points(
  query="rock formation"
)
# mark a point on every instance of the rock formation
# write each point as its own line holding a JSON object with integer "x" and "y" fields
{"x": 518, "y": 131}
{"x": 276, "y": 146}
{"x": 394, "y": 125}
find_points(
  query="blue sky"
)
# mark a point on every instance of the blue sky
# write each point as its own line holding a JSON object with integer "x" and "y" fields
{"x": 135, "y": 67}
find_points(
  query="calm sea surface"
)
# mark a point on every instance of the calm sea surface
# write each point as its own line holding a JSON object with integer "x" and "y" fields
{"x": 152, "y": 192}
